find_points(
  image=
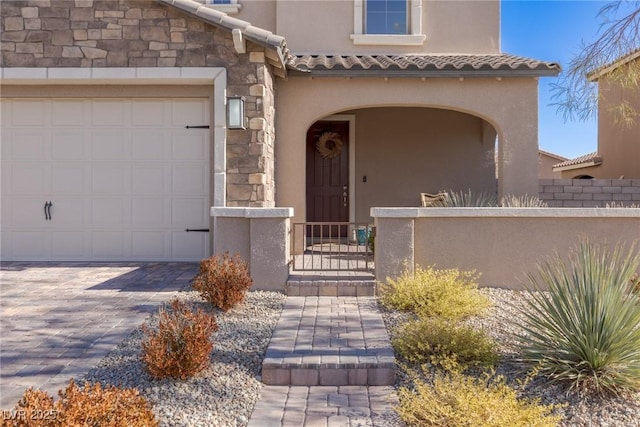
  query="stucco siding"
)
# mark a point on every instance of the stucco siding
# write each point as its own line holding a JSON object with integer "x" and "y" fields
{"x": 513, "y": 115}
{"x": 425, "y": 150}
{"x": 310, "y": 26}
{"x": 618, "y": 144}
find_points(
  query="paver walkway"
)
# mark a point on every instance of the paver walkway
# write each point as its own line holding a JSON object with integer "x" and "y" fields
{"x": 329, "y": 361}
{"x": 326, "y": 406}
{"x": 59, "y": 320}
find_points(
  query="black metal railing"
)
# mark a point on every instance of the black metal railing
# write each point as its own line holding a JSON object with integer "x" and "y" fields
{"x": 332, "y": 246}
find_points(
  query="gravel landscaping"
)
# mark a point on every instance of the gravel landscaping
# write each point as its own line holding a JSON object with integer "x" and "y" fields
{"x": 500, "y": 323}
{"x": 226, "y": 392}
{"x": 222, "y": 395}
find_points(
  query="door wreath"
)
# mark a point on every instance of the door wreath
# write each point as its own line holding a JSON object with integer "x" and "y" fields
{"x": 329, "y": 145}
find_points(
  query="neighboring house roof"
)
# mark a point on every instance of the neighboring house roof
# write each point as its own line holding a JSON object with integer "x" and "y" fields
{"x": 239, "y": 28}
{"x": 591, "y": 159}
{"x": 423, "y": 65}
{"x": 605, "y": 69}
{"x": 552, "y": 155}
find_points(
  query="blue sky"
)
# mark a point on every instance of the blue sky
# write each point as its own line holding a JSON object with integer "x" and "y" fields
{"x": 552, "y": 30}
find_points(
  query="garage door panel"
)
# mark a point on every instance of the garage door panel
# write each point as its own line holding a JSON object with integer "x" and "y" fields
{"x": 193, "y": 112}
{"x": 189, "y": 179}
{"x": 188, "y": 246}
{"x": 147, "y": 212}
{"x": 68, "y": 179}
{"x": 29, "y": 245}
{"x": 29, "y": 112}
{"x": 109, "y": 245}
{"x": 108, "y": 213}
{"x": 67, "y": 212}
{"x": 67, "y": 112}
{"x": 148, "y": 245}
{"x": 109, "y": 179}
{"x": 109, "y": 145}
{"x": 148, "y": 180}
{"x": 148, "y": 146}
{"x": 25, "y": 212}
{"x": 26, "y": 145}
{"x": 148, "y": 113}
{"x": 106, "y": 112}
{"x": 188, "y": 213}
{"x": 68, "y": 244}
{"x": 30, "y": 178}
{"x": 192, "y": 146}
{"x": 68, "y": 145}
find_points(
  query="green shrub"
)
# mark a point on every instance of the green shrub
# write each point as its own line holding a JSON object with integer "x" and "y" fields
{"x": 180, "y": 346}
{"x": 586, "y": 328}
{"x": 525, "y": 201}
{"x": 223, "y": 280}
{"x": 458, "y": 400}
{"x": 449, "y": 294}
{"x": 444, "y": 343}
{"x": 462, "y": 199}
{"x": 91, "y": 405}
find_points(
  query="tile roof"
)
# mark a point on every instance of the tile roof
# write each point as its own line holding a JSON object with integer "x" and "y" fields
{"x": 607, "y": 68}
{"x": 591, "y": 159}
{"x": 423, "y": 65}
{"x": 555, "y": 156}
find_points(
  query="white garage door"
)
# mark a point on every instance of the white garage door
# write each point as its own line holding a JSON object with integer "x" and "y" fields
{"x": 123, "y": 178}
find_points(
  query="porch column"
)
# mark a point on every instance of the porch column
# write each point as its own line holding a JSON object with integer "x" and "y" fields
{"x": 518, "y": 152}
{"x": 261, "y": 237}
{"x": 395, "y": 242}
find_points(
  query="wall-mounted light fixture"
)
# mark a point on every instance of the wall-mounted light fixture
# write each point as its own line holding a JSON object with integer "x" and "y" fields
{"x": 235, "y": 112}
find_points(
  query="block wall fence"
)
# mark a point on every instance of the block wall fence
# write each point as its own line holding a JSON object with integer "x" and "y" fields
{"x": 589, "y": 193}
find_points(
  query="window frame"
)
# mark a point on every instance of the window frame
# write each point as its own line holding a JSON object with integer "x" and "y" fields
{"x": 231, "y": 8}
{"x": 414, "y": 36}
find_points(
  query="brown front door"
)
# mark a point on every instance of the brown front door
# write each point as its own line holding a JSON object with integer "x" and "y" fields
{"x": 328, "y": 173}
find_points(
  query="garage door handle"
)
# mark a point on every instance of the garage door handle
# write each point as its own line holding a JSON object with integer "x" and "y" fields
{"x": 47, "y": 210}
{"x": 200, "y": 230}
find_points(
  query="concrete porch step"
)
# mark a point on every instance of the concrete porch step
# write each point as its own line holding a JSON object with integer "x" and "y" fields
{"x": 329, "y": 341}
{"x": 336, "y": 286}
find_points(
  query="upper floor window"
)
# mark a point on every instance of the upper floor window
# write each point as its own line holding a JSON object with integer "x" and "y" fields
{"x": 227, "y": 6}
{"x": 388, "y": 22}
{"x": 386, "y": 16}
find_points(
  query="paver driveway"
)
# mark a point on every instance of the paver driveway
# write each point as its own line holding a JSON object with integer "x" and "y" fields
{"x": 57, "y": 320}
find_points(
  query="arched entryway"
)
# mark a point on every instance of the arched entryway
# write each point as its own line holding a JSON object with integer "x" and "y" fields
{"x": 387, "y": 156}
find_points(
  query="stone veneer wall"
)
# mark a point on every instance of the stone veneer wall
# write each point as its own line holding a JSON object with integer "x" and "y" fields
{"x": 589, "y": 193}
{"x": 143, "y": 33}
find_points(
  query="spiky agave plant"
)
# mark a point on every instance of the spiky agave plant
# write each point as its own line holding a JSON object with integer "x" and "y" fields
{"x": 526, "y": 201}
{"x": 586, "y": 328}
{"x": 461, "y": 199}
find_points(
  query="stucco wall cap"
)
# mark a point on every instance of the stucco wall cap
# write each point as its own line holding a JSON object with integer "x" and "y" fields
{"x": 505, "y": 212}
{"x": 233, "y": 212}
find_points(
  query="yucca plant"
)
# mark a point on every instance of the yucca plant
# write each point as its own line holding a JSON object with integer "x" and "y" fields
{"x": 461, "y": 199}
{"x": 526, "y": 201}
{"x": 586, "y": 328}
{"x": 622, "y": 205}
